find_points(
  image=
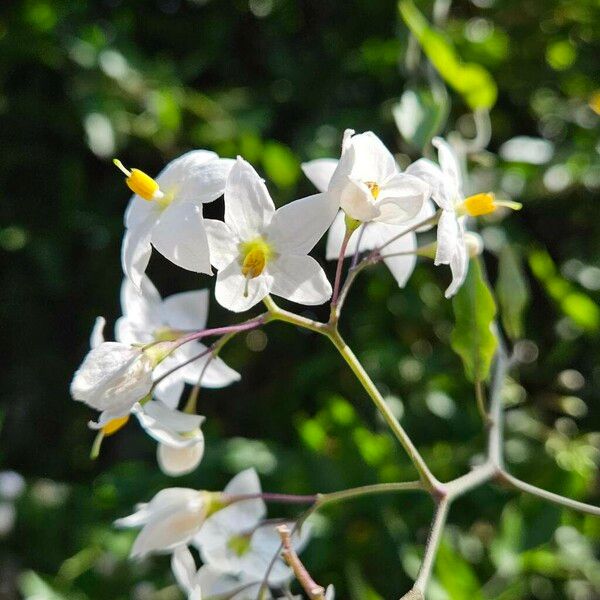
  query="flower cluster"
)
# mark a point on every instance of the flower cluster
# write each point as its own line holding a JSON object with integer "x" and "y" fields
{"x": 372, "y": 212}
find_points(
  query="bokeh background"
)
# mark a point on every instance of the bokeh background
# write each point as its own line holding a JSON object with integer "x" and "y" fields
{"x": 277, "y": 81}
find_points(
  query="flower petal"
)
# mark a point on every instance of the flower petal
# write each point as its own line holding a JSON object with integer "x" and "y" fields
{"x": 356, "y": 201}
{"x": 187, "y": 310}
{"x": 198, "y": 176}
{"x": 319, "y": 171}
{"x": 216, "y": 375}
{"x": 97, "y": 335}
{"x": 401, "y": 198}
{"x": 223, "y": 243}
{"x": 179, "y": 461}
{"x": 180, "y": 237}
{"x": 248, "y": 205}
{"x": 448, "y": 233}
{"x": 136, "y": 250}
{"x": 450, "y": 167}
{"x": 141, "y": 304}
{"x": 372, "y": 160}
{"x": 299, "y": 225}
{"x": 401, "y": 267}
{"x": 184, "y": 567}
{"x": 367, "y": 233}
{"x": 429, "y": 172}
{"x": 231, "y": 287}
{"x": 300, "y": 279}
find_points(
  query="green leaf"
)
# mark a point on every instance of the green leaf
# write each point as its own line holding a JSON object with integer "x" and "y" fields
{"x": 512, "y": 292}
{"x": 471, "y": 80}
{"x": 579, "y": 307}
{"x": 420, "y": 115}
{"x": 472, "y": 338}
{"x": 281, "y": 164}
{"x": 456, "y": 575}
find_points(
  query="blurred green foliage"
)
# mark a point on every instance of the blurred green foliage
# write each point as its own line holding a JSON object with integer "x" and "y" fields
{"x": 277, "y": 81}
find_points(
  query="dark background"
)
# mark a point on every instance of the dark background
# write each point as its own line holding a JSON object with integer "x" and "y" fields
{"x": 277, "y": 81}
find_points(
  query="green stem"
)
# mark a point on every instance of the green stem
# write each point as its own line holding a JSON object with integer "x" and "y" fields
{"x": 550, "y": 496}
{"x": 433, "y": 542}
{"x": 427, "y": 477}
{"x": 367, "y": 490}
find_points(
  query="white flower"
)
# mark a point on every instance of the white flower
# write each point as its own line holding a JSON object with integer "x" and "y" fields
{"x": 208, "y": 582}
{"x": 235, "y": 540}
{"x": 375, "y": 233}
{"x": 167, "y": 212}
{"x": 170, "y": 519}
{"x": 369, "y": 185}
{"x": 259, "y": 250}
{"x": 147, "y": 318}
{"x": 447, "y": 191}
{"x": 112, "y": 378}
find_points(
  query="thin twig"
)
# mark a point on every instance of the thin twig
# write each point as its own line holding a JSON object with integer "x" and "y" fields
{"x": 313, "y": 589}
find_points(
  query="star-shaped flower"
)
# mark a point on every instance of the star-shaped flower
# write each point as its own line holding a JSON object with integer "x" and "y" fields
{"x": 259, "y": 250}
{"x": 166, "y": 212}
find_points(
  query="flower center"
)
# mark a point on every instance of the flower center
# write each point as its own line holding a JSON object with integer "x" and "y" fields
{"x": 484, "y": 204}
{"x": 240, "y": 544}
{"x": 255, "y": 256}
{"x": 373, "y": 188}
{"x": 141, "y": 184}
{"x": 114, "y": 425}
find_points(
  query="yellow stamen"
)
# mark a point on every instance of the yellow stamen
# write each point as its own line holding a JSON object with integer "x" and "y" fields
{"x": 479, "y": 204}
{"x": 114, "y": 425}
{"x": 374, "y": 188}
{"x": 254, "y": 257}
{"x": 484, "y": 204}
{"x": 139, "y": 183}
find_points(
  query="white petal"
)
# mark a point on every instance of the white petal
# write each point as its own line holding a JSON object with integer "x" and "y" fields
{"x": 184, "y": 567}
{"x": 299, "y": 225}
{"x": 429, "y": 172}
{"x": 246, "y": 482}
{"x": 459, "y": 264}
{"x": 112, "y": 377}
{"x": 372, "y": 160}
{"x": 197, "y": 176}
{"x": 179, "y": 235}
{"x": 319, "y": 171}
{"x": 231, "y": 284}
{"x": 300, "y": 279}
{"x": 223, "y": 243}
{"x": 97, "y": 335}
{"x": 179, "y": 461}
{"x": 187, "y": 310}
{"x": 139, "y": 210}
{"x": 448, "y": 232}
{"x": 402, "y": 198}
{"x": 216, "y": 375}
{"x": 450, "y": 166}
{"x": 169, "y": 390}
{"x": 357, "y": 202}
{"x": 129, "y": 332}
{"x": 167, "y": 426}
{"x": 141, "y": 304}
{"x": 248, "y": 205}
{"x": 136, "y": 250}
{"x": 401, "y": 267}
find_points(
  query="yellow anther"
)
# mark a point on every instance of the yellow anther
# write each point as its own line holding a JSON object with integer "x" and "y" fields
{"x": 374, "y": 188}
{"x": 484, "y": 204}
{"x": 114, "y": 425}
{"x": 254, "y": 263}
{"x": 254, "y": 257}
{"x": 479, "y": 204}
{"x": 139, "y": 183}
